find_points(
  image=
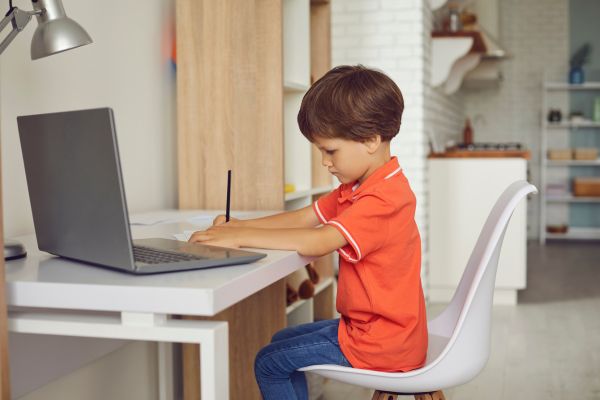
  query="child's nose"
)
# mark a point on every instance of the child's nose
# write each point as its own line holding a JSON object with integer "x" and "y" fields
{"x": 326, "y": 161}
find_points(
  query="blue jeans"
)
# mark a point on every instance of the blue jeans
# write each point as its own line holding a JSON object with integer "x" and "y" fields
{"x": 292, "y": 348}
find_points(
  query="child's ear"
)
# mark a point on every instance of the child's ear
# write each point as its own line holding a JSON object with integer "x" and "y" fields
{"x": 373, "y": 143}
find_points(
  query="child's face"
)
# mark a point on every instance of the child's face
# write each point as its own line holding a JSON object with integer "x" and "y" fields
{"x": 346, "y": 159}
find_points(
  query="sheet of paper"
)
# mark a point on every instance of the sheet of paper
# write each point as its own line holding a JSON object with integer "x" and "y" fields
{"x": 185, "y": 236}
{"x": 149, "y": 219}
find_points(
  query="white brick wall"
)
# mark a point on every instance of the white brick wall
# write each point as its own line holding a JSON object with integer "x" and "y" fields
{"x": 394, "y": 36}
{"x": 536, "y": 34}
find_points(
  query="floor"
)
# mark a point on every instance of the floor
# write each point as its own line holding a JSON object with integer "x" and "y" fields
{"x": 547, "y": 347}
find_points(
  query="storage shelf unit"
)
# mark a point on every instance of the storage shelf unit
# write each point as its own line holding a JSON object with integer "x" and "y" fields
{"x": 305, "y": 58}
{"x": 237, "y": 102}
{"x": 319, "y": 288}
{"x": 547, "y": 166}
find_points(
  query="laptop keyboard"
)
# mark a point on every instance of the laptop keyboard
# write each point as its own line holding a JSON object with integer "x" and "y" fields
{"x": 149, "y": 255}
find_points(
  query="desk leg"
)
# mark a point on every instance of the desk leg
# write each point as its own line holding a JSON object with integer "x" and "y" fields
{"x": 4, "y": 365}
{"x": 212, "y": 335}
{"x": 252, "y": 323}
{"x": 165, "y": 371}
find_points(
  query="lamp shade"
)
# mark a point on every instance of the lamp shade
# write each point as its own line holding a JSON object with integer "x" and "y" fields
{"x": 55, "y": 32}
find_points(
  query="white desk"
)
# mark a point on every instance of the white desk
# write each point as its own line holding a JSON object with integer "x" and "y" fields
{"x": 50, "y": 295}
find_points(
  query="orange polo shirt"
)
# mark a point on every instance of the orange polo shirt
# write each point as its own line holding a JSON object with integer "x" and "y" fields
{"x": 383, "y": 325}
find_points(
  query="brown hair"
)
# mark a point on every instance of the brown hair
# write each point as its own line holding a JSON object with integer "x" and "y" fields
{"x": 352, "y": 103}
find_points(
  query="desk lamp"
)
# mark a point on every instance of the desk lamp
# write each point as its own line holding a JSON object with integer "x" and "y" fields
{"x": 55, "y": 33}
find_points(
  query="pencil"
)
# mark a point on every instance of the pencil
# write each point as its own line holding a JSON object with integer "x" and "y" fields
{"x": 228, "y": 195}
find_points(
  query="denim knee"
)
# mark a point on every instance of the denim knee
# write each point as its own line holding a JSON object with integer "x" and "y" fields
{"x": 260, "y": 369}
{"x": 278, "y": 335}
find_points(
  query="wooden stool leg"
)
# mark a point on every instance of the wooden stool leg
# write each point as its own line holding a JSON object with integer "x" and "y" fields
{"x": 379, "y": 395}
{"x": 424, "y": 396}
{"x": 439, "y": 395}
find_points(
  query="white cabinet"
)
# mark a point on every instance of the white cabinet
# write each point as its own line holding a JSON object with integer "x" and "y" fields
{"x": 462, "y": 192}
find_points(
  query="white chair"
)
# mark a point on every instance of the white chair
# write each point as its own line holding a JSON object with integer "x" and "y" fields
{"x": 459, "y": 338}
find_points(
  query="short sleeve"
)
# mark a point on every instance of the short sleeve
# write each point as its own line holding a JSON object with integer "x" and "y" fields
{"x": 365, "y": 225}
{"x": 326, "y": 206}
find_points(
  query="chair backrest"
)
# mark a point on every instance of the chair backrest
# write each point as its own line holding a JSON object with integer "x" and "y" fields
{"x": 460, "y": 335}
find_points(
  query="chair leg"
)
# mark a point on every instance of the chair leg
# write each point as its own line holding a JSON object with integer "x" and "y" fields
{"x": 424, "y": 396}
{"x": 378, "y": 395}
{"x": 439, "y": 395}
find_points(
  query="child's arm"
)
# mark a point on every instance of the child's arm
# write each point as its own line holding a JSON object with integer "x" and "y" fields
{"x": 301, "y": 218}
{"x": 306, "y": 241}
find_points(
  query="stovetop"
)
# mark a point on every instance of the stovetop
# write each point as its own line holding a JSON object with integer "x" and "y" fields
{"x": 509, "y": 146}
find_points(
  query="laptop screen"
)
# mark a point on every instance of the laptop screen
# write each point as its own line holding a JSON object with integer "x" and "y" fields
{"x": 76, "y": 187}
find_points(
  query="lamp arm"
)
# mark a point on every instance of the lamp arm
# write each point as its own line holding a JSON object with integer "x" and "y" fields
{"x": 19, "y": 19}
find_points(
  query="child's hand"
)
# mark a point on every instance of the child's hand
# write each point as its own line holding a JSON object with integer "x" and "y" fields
{"x": 218, "y": 235}
{"x": 221, "y": 219}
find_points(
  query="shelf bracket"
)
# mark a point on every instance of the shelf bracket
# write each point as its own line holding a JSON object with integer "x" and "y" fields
{"x": 445, "y": 55}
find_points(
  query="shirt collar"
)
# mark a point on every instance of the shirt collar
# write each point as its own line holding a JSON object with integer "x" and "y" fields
{"x": 350, "y": 191}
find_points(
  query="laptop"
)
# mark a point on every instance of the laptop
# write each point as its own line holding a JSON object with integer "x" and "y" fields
{"x": 78, "y": 200}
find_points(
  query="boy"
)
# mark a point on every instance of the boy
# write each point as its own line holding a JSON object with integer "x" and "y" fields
{"x": 350, "y": 114}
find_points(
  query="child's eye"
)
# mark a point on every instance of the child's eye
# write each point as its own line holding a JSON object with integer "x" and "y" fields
{"x": 330, "y": 152}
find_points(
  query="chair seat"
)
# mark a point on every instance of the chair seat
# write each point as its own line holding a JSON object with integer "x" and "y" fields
{"x": 410, "y": 382}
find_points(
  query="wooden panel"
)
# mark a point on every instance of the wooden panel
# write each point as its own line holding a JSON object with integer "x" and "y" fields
{"x": 4, "y": 371}
{"x": 323, "y": 304}
{"x": 229, "y": 103}
{"x": 324, "y": 266}
{"x": 320, "y": 39}
{"x": 320, "y": 63}
{"x": 252, "y": 323}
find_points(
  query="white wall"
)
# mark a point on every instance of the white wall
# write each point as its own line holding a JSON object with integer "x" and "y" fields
{"x": 536, "y": 34}
{"x": 126, "y": 68}
{"x": 395, "y": 37}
